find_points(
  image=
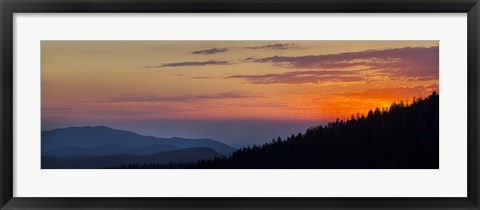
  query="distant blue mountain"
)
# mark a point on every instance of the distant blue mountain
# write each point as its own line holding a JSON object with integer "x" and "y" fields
{"x": 176, "y": 156}
{"x": 102, "y": 141}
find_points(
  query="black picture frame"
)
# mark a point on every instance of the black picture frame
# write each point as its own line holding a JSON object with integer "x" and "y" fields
{"x": 10, "y": 7}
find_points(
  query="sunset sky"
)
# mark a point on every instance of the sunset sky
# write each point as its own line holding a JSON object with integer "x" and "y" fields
{"x": 228, "y": 90}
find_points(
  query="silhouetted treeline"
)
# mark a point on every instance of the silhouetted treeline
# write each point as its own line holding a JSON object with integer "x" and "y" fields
{"x": 403, "y": 136}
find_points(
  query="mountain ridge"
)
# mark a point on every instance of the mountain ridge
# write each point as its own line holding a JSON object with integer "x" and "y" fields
{"x": 98, "y": 136}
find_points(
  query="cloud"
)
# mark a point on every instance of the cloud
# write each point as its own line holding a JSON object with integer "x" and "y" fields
{"x": 191, "y": 63}
{"x": 279, "y": 46}
{"x": 186, "y": 98}
{"x": 301, "y": 77}
{"x": 56, "y": 109}
{"x": 210, "y": 51}
{"x": 410, "y": 63}
{"x": 121, "y": 112}
{"x": 95, "y": 110}
{"x": 201, "y": 77}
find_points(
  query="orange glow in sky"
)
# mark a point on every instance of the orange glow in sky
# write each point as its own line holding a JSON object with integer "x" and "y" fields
{"x": 92, "y": 81}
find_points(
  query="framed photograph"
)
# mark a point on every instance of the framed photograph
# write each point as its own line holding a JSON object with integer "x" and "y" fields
{"x": 239, "y": 105}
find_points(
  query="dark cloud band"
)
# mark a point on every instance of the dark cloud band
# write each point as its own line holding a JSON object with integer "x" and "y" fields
{"x": 192, "y": 63}
{"x": 186, "y": 98}
{"x": 210, "y": 51}
{"x": 301, "y": 77}
{"x": 279, "y": 46}
{"x": 414, "y": 63}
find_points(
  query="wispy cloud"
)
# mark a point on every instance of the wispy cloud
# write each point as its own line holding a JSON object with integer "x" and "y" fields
{"x": 191, "y": 63}
{"x": 56, "y": 109}
{"x": 301, "y": 77}
{"x": 413, "y": 63}
{"x": 210, "y": 51}
{"x": 122, "y": 112}
{"x": 186, "y": 98}
{"x": 279, "y": 46}
{"x": 201, "y": 77}
{"x": 95, "y": 110}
